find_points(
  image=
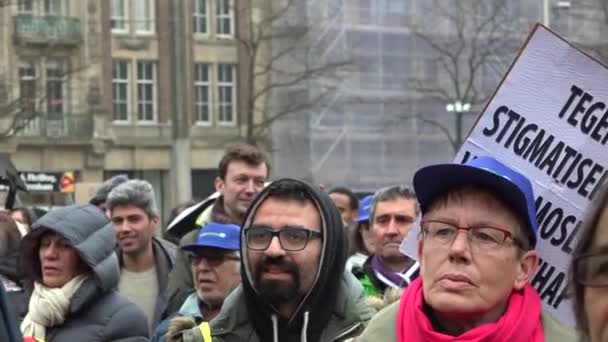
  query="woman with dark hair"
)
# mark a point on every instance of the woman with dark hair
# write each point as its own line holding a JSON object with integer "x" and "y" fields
{"x": 359, "y": 237}
{"x": 588, "y": 272}
{"x": 17, "y": 286}
{"x": 70, "y": 255}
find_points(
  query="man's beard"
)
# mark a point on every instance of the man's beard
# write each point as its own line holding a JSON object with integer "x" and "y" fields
{"x": 276, "y": 291}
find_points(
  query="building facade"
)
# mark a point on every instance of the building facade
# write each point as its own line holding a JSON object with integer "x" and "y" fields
{"x": 387, "y": 115}
{"x": 96, "y": 87}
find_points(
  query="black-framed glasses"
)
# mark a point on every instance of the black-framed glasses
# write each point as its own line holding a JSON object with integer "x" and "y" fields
{"x": 212, "y": 259}
{"x": 592, "y": 269}
{"x": 483, "y": 237}
{"x": 291, "y": 238}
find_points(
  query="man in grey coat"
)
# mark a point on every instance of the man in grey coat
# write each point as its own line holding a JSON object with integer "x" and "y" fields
{"x": 143, "y": 258}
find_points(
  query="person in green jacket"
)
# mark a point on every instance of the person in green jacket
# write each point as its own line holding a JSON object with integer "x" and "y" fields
{"x": 476, "y": 251}
{"x": 242, "y": 172}
{"x": 294, "y": 285}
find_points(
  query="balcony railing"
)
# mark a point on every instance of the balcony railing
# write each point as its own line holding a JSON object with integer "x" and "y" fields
{"x": 47, "y": 30}
{"x": 58, "y": 125}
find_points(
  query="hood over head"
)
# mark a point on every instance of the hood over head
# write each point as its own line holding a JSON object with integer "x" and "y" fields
{"x": 87, "y": 230}
{"x": 315, "y": 310}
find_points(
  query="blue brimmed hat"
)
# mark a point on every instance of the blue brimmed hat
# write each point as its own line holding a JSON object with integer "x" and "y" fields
{"x": 218, "y": 235}
{"x": 364, "y": 208}
{"x": 509, "y": 185}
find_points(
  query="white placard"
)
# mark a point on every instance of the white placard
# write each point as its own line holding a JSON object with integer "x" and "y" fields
{"x": 549, "y": 121}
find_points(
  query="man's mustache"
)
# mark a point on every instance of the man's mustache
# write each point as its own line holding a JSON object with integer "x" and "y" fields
{"x": 280, "y": 262}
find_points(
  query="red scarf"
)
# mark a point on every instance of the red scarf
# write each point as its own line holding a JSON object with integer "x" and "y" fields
{"x": 520, "y": 323}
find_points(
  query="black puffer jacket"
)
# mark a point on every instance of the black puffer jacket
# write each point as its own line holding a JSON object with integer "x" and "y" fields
{"x": 97, "y": 312}
{"x": 18, "y": 296}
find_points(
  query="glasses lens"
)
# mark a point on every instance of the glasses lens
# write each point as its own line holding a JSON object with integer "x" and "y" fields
{"x": 293, "y": 239}
{"x": 487, "y": 237}
{"x": 212, "y": 259}
{"x": 258, "y": 238}
{"x": 593, "y": 270}
{"x": 439, "y": 232}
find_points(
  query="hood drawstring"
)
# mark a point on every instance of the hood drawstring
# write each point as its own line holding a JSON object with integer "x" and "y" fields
{"x": 304, "y": 326}
{"x": 275, "y": 328}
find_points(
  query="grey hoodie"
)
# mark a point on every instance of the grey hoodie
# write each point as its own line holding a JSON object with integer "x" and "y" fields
{"x": 97, "y": 312}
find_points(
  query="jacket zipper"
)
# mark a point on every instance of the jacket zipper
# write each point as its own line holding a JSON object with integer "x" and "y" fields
{"x": 347, "y": 331}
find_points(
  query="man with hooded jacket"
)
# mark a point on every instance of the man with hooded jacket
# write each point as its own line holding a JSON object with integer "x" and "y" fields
{"x": 294, "y": 287}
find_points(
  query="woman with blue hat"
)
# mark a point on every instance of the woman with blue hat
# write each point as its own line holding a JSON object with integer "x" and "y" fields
{"x": 360, "y": 240}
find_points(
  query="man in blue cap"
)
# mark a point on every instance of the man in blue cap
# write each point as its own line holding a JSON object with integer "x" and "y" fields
{"x": 215, "y": 262}
{"x": 477, "y": 254}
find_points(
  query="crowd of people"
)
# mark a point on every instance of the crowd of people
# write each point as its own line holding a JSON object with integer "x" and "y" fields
{"x": 289, "y": 261}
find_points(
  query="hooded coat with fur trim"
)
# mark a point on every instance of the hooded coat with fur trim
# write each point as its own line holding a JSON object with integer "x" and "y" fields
{"x": 97, "y": 311}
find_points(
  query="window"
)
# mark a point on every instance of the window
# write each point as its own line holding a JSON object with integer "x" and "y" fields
{"x": 224, "y": 17}
{"x": 201, "y": 17}
{"x": 146, "y": 91}
{"x": 53, "y": 7}
{"x": 226, "y": 86}
{"x": 120, "y": 90}
{"x": 119, "y": 15}
{"x": 202, "y": 87}
{"x": 25, "y": 6}
{"x": 55, "y": 82}
{"x": 27, "y": 86}
{"x": 144, "y": 16}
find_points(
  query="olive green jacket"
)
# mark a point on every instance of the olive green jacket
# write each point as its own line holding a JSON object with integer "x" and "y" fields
{"x": 349, "y": 318}
{"x": 383, "y": 327}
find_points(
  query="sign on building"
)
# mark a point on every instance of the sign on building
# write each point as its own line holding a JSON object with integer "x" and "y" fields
{"x": 46, "y": 181}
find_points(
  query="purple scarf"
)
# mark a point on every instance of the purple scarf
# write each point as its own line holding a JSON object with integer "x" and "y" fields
{"x": 378, "y": 266}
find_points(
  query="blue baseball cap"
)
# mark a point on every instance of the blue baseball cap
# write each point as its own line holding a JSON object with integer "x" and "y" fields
{"x": 364, "y": 207}
{"x": 218, "y": 235}
{"x": 509, "y": 185}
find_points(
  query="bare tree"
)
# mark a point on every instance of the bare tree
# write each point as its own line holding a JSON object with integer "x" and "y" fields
{"x": 467, "y": 42}
{"x": 589, "y": 21}
{"x": 276, "y": 41}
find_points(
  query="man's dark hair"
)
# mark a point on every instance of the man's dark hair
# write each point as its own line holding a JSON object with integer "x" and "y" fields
{"x": 352, "y": 198}
{"x": 249, "y": 154}
{"x": 287, "y": 189}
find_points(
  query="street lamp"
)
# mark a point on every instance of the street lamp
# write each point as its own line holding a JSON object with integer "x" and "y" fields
{"x": 547, "y": 9}
{"x": 458, "y": 108}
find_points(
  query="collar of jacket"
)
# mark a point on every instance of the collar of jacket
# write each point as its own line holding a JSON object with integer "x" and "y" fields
{"x": 190, "y": 307}
{"x": 219, "y": 214}
{"x": 349, "y": 316}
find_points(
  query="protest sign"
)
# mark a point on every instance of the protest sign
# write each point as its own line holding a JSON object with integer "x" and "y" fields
{"x": 548, "y": 120}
